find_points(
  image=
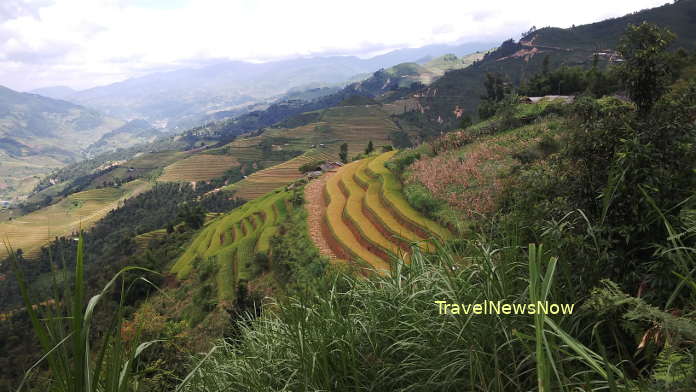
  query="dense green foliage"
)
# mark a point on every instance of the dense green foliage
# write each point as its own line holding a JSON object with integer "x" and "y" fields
{"x": 517, "y": 62}
{"x": 65, "y": 331}
{"x": 294, "y": 259}
{"x": 647, "y": 69}
{"x": 570, "y": 81}
{"x": 343, "y": 154}
{"x": 311, "y": 166}
{"x": 109, "y": 246}
{"x": 388, "y": 333}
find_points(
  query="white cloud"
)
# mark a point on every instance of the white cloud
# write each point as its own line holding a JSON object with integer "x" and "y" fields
{"x": 84, "y": 43}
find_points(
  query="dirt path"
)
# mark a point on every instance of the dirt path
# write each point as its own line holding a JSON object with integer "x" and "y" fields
{"x": 315, "y": 205}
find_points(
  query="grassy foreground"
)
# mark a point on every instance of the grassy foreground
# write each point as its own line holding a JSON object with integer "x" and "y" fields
{"x": 388, "y": 333}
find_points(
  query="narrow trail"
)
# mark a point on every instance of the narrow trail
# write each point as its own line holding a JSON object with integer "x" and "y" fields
{"x": 315, "y": 205}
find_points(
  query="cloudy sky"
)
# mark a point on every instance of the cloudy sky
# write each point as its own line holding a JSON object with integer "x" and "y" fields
{"x": 84, "y": 43}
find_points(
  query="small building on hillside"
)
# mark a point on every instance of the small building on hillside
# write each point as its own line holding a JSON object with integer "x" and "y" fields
{"x": 314, "y": 174}
{"x": 329, "y": 166}
{"x": 564, "y": 98}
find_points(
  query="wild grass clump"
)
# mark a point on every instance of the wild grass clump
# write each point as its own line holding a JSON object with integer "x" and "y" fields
{"x": 386, "y": 333}
{"x": 66, "y": 332}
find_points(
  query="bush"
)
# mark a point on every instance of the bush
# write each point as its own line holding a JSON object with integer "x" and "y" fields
{"x": 421, "y": 199}
{"x": 311, "y": 166}
{"x": 402, "y": 160}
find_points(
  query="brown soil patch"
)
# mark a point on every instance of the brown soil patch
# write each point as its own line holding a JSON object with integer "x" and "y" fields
{"x": 316, "y": 208}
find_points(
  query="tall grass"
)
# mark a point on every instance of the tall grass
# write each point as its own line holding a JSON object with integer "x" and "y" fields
{"x": 64, "y": 331}
{"x": 385, "y": 333}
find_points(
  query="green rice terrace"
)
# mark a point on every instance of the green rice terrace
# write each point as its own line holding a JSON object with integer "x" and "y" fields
{"x": 266, "y": 180}
{"x": 202, "y": 167}
{"x": 232, "y": 241}
{"x": 77, "y": 211}
{"x": 367, "y": 217}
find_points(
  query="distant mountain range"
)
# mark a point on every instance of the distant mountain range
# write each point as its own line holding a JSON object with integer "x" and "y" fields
{"x": 292, "y": 110}
{"x": 55, "y": 92}
{"x": 32, "y": 124}
{"x": 177, "y": 99}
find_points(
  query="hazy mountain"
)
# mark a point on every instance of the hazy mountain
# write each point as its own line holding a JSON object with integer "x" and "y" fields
{"x": 290, "y": 110}
{"x": 56, "y": 92}
{"x": 133, "y": 132}
{"x": 427, "y": 53}
{"x": 168, "y": 99}
{"x": 38, "y": 133}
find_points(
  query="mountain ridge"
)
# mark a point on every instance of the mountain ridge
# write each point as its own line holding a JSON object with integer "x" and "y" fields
{"x": 172, "y": 97}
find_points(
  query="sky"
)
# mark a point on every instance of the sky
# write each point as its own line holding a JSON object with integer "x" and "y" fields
{"x": 86, "y": 43}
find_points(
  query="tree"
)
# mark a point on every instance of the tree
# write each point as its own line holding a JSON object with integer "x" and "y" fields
{"x": 370, "y": 148}
{"x": 193, "y": 216}
{"x": 465, "y": 121}
{"x": 545, "y": 65}
{"x": 496, "y": 89}
{"x": 645, "y": 70}
{"x": 343, "y": 154}
{"x": 529, "y": 32}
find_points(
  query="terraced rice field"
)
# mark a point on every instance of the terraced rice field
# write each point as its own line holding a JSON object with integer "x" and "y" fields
{"x": 367, "y": 218}
{"x": 201, "y": 167}
{"x": 320, "y": 140}
{"x": 356, "y": 125}
{"x": 143, "y": 240}
{"x": 392, "y": 197}
{"x": 233, "y": 239}
{"x": 79, "y": 210}
{"x": 266, "y": 180}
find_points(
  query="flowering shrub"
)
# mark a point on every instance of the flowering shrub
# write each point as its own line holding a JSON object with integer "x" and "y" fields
{"x": 470, "y": 183}
{"x": 452, "y": 141}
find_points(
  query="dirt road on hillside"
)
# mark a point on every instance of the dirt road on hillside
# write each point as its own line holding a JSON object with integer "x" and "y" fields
{"x": 315, "y": 205}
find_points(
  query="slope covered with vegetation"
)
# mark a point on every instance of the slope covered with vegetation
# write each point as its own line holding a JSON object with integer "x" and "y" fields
{"x": 606, "y": 185}
{"x": 236, "y": 241}
{"x": 33, "y": 131}
{"x": 76, "y": 212}
{"x": 458, "y": 93}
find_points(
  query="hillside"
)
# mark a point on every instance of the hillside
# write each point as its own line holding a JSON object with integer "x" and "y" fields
{"x": 251, "y": 166}
{"x": 586, "y": 203}
{"x": 380, "y": 236}
{"x": 233, "y": 242}
{"x": 458, "y": 92}
{"x": 132, "y": 133}
{"x": 298, "y": 129}
{"x": 391, "y": 84}
{"x": 67, "y": 217}
{"x": 33, "y": 135}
